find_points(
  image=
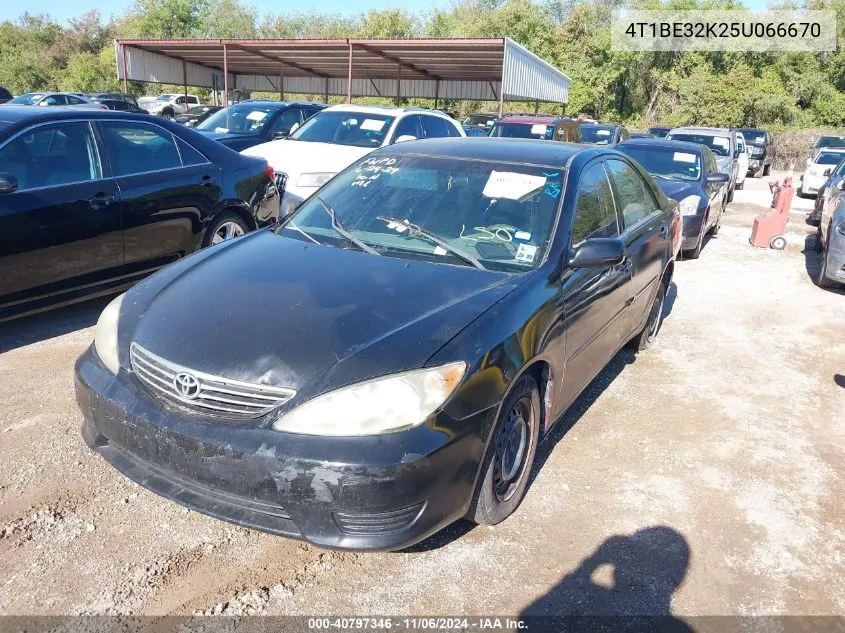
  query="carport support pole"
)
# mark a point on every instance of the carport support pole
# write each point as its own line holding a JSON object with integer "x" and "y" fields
{"x": 349, "y": 78}
{"x": 225, "y": 77}
{"x": 281, "y": 82}
{"x": 501, "y": 100}
{"x": 398, "y": 85}
{"x": 436, "y": 93}
{"x": 185, "y": 81}
{"x": 123, "y": 60}
{"x": 536, "y": 106}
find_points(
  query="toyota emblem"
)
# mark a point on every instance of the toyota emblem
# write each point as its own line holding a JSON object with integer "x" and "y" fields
{"x": 186, "y": 386}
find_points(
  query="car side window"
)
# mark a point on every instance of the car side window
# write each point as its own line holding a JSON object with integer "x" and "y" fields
{"x": 594, "y": 215}
{"x": 409, "y": 126}
{"x": 632, "y": 194}
{"x": 190, "y": 156}
{"x": 180, "y": 100}
{"x": 285, "y": 122}
{"x": 193, "y": 100}
{"x": 74, "y": 100}
{"x": 136, "y": 148}
{"x": 435, "y": 127}
{"x": 53, "y": 100}
{"x": 52, "y": 155}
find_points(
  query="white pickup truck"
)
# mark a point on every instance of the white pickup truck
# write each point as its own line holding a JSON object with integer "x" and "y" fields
{"x": 170, "y": 105}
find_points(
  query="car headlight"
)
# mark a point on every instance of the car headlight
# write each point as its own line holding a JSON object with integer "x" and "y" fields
{"x": 382, "y": 405}
{"x": 689, "y": 205}
{"x": 105, "y": 335}
{"x": 314, "y": 180}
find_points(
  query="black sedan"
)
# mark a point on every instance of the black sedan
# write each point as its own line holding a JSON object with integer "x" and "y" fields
{"x": 93, "y": 200}
{"x": 196, "y": 115}
{"x": 609, "y": 134}
{"x": 386, "y": 360}
{"x": 243, "y": 125}
{"x": 476, "y": 130}
{"x": 686, "y": 172}
{"x": 121, "y": 106}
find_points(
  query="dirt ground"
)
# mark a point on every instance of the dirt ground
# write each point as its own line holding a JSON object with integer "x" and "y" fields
{"x": 704, "y": 476}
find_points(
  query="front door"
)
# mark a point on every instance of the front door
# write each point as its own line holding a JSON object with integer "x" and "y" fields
{"x": 594, "y": 299}
{"x": 61, "y": 229}
{"x": 167, "y": 188}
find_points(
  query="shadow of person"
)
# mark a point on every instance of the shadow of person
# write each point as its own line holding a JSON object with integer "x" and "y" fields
{"x": 839, "y": 379}
{"x": 625, "y": 585}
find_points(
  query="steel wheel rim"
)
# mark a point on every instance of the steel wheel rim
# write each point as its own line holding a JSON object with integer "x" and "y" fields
{"x": 513, "y": 446}
{"x": 226, "y": 231}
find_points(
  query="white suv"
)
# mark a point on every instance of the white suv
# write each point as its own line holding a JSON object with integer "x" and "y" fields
{"x": 336, "y": 137}
{"x": 169, "y": 106}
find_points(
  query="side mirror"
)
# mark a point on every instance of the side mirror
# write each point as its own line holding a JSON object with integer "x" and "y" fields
{"x": 736, "y": 153}
{"x": 281, "y": 134}
{"x": 405, "y": 137}
{"x": 718, "y": 177}
{"x": 8, "y": 183}
{"x": 598, "y": 252}
{"x": 826, "y": 172}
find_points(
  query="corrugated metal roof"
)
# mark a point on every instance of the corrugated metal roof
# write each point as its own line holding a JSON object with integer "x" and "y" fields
{"x": 448, "y": 68}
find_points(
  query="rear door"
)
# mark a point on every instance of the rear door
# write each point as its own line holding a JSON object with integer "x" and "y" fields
{"x": 167, "y": 189}
{"x": 61, "y": 229}
{"x": 408, "y": 126}
{"x": 646, "y": 236}
{"x": 595, "y": 300}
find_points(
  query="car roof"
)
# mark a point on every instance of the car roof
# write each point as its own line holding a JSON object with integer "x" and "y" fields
{"x": 506, "y": 150}
{"x": 12, "y": 114}
{"x": 661, "y": 143}
{"x": 701, "y": 130}
{"x": 527, "y": 119}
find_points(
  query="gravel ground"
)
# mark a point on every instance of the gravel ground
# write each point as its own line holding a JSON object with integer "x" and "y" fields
{"x": 704, "y": 476}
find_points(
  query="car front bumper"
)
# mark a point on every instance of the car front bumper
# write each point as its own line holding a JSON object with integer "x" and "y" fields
{"x": 383, "y": 492}
{"x": 811, "y": 184}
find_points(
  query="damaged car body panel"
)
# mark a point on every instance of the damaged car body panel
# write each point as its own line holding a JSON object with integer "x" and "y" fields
{"x": 454, "y": 311}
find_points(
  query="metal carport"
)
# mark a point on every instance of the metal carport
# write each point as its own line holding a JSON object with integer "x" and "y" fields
{"x": 477, "y": 69}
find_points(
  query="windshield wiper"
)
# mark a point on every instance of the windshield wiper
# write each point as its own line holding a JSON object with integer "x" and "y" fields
{"x": 337, "y": 226}
{"x": 417, "y": 230}
{"x": 294, "y": 227}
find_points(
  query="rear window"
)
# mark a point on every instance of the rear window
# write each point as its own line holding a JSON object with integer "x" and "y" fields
{"x": 596, "y": 134}
{"x": 543, "y": 131}
{"x": 831, "y": 141}
{"x": 829, "y": 158}
{"x": 754, "y": 137}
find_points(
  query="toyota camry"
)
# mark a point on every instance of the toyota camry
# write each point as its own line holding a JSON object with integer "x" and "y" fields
{"x": 387, "y": 358}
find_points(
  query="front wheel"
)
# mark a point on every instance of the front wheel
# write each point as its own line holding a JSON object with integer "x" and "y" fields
{"x": 224, "y": 227}
{"x": 778, "y": 243}
{"x": 767, "y": 169}
{"x": 507, "y": 466}
{"x": 818, "y": 245}
{"x": 648, "y": 336}
{"x": 731, "y": 195}
{"x": 821, "y": 279}
{"x": 740, "y": 185}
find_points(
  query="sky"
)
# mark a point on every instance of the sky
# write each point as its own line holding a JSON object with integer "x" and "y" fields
{"x": 67, "y": 9}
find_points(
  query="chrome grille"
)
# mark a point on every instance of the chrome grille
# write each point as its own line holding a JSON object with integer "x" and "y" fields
{"x": 281, "y": 182}
{"x": 203, "y": 393}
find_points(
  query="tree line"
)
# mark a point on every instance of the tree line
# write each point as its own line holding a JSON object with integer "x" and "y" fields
{"x": 773, "y": 90}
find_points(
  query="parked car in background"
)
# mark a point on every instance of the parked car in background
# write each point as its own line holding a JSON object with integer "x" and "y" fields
{"x": 830, "y": 239}
{"x": 471, "y": 130}
{"x": 121, "y": 106}
{"x": 169, "y": 105}
{"x": 759, "y": 143}
{"x": 336, "y": 137}
{"x": 115, "y": 96}
{"x": 639, "y": 135}
{"x": 741, "y": 160}
{"x": 196, "y": 115}
{"x": 94, "y": 200}
{"x": 480, "y": 119}
{"x": 819, "y": 166}
{"x": 387, "y": 360}
{"x": 832, "y": 185}
{"x": 55, "y": 99}
{"x": 5, "y": 95}
{"x": 253, "y": 122}
{"x": 145, "y": 102}
{"x": 547, "y": 128}
{"x": 659, "y": 132}
{"x": 721, "y": 141}
{"x": 688, "y": 173}
{"x": 608, "y": 134}
{"x": 829, "y": 141}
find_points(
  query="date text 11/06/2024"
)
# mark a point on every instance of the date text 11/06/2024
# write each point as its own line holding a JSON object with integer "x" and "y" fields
{"x": 416, "y": 624}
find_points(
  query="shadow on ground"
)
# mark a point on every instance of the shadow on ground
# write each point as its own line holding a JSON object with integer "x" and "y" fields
{"x": 625, "y": 585}
{"x": 812, "y": 262}
{"x": 31, "y": 329}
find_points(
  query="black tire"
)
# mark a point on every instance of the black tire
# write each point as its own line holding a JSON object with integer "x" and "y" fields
{"x": 821, "y": 278}
{"x": 694, "y": 253}
{"x": 167, "y": 114}
{"x": 718, "y": 225}
{"x": 741, "y": 185}
{"x": 218, "y": 221}
{"x": 731, "y": 194}
{"x": 767, "y": 169}
{"x": 648, "y": 336}
{"x": 817, "y": 245}
{"x": 503, "y": 483}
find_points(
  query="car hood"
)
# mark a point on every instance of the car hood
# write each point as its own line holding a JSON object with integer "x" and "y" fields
{"x": 301, "y": 157}
{"x": 274, "y": 310}
{"x": 237, "y": 142}
{"x": 677, "y": 189}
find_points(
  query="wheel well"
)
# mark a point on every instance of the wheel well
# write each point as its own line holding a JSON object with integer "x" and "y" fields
{"x": 241, "y": 213}
{"x": 540, "y": 371}
{"x": 667, "y": 274}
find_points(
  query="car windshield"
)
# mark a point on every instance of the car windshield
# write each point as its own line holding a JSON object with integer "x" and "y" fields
{"x": 480, "y": 119}
{"x": 596, "y": 134}
{"x": 27, "y": 99}
{"x": 198, "y": 109}
{"x": 500, "y": 215}
{"x": 666, "y": 162}
{"x": 754, "y": 137}
{"x": 658, "y": 132}
{"x": 359, "y": 129}
{"x": 825, "y": 141}
{"x": 523, "y": 130}
{"x": 238, "y": 119}
{"x": 721, "y": 145}
{"x": 828, "y": 158}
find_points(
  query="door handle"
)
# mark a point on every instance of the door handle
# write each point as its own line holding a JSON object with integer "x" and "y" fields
{"x": 100, "y": 200}
{"x": 664, "y": 231}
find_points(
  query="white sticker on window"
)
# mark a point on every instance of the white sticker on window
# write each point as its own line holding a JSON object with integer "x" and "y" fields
{"x": 522, "y": 235}
{"x": 511, "y": 185}
{"x": 439, "y": 250}
{"x": 602, "y": 132}
{"x": 683, "y": 157}
{"x": 372, "y": 125}
{"x": 525, "y": 253}
{"x": 539, "y": 129}
{"x": 221, "y": 130}
{"x": 256, "y": 116}
{"x": 491, "y": 121}
{"x": 721, "y": 141}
